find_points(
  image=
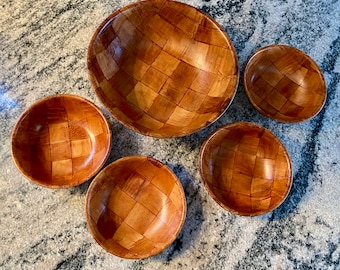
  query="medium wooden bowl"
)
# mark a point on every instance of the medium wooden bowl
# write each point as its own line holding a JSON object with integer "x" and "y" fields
{"x": 284, "y": 84}
{"x": 245, "y": 169}
{"x": 163, "y": 68}
{"x": 61, "y": 141}
{"x": 135, "y": 207}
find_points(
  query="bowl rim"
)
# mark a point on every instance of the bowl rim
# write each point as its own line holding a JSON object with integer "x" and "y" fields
{"x": 26, "y": 112}
{"x": 92, "y": 79}
{"x": 257, "y": 107}
{"x": 123, "y": 160}
{"x": 211, "y": 193}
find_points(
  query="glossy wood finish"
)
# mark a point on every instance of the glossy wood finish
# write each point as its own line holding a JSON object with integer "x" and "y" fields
{"x": 61, "y": 141}
{"x": 284, "y": 83}
{"x": 245, "y": 169}
{"x": 135, "y": 207}
{"x": 163, "y": 68}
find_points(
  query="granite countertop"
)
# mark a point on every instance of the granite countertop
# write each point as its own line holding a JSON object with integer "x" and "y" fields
{"x": 43, "y": 47}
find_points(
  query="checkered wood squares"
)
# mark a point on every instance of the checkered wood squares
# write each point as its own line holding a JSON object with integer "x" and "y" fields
{"x": 284, "y": 83}
{"x": 61, "y": 141}
{"x": 246, "y": 169}
{"x": 163, "y": 68}
{"x": 135, "y": 207}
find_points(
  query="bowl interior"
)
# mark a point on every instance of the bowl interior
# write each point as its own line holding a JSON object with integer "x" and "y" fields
{"x": 135, "y": 207}
{"x": 61, "y": 141}
{"x": 163, "y": 68}
{"x": 284, "y": 83}
{"x": 245, "y": 169}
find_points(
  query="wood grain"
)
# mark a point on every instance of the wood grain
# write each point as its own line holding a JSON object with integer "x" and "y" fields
{"x": 284, "y": 83}
{"x": 245, "y": 169}
{"x": 135, "y": 207}
{"x": 163, "y": 68}
{"x": 61, "y": 141}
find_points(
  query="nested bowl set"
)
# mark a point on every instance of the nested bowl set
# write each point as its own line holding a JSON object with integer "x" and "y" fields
{"x": 165, "y": 69}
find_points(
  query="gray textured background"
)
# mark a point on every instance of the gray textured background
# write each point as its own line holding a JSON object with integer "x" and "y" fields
{"x": 43, "y": 46}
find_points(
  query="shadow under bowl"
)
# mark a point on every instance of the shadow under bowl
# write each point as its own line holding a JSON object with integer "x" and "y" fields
{"x": 245, "y": 169}
{"x": 135, "y": 207}
{"x": 61, "y": 141}
{"x": 284, "y": 84}
{"x": 163, "y": 68}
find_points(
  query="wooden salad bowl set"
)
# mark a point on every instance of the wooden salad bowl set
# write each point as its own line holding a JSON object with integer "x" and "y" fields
{"x": 165, "y": 69}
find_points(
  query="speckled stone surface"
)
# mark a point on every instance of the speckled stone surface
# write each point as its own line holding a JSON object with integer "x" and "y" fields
{"x": 43, "y": 47}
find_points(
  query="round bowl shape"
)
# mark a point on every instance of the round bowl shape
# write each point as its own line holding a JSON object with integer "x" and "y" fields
{"x": 245, "y": 169}
{"x": 284, "y": 84}
{"x": 163, "y": 68}
{"x": 61, "y": 141}
{"x": 135, "y": 207}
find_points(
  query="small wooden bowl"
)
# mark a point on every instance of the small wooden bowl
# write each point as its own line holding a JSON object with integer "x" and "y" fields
{"x": 245, "y": 169}
{"x": 163, "y": 68}
{"x": 61, "y": 141}
{"x": 284, "y": 84}
{"x": 135, "y": 207}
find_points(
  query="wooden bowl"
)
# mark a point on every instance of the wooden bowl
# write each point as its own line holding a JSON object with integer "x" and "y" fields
{"x": 245, "y": 169}
{"x": 163, "y": 68}
{"x": 284, "y": 83}
{"x": 61, "y": 141}
{"x": 135, "y": 207}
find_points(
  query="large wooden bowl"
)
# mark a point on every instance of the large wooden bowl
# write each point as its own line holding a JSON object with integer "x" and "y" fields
{"x": 135, "y": 207}
{"x": 163, "y": 68}
{"x": 284, "y": 84}
{"x": 245, "y": 169}
{"x": 61, "y": 141}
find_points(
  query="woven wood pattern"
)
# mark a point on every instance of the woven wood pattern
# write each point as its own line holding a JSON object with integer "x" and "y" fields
{"x": 163, "y": 68}
{"x": 61, "y": 141}
{"x": 245, "y": 169}
{"x": 284, "y": 83}
{"x": 135, "y": 207}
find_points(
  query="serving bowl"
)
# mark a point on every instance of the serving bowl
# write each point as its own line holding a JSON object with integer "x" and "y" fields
{"x": 163, "y": 68}
{"x": 135, "y": 207}
{"x": 61, "y": 141}
{"x": 245, "y": 169}
{"x": 284, "y": 83}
